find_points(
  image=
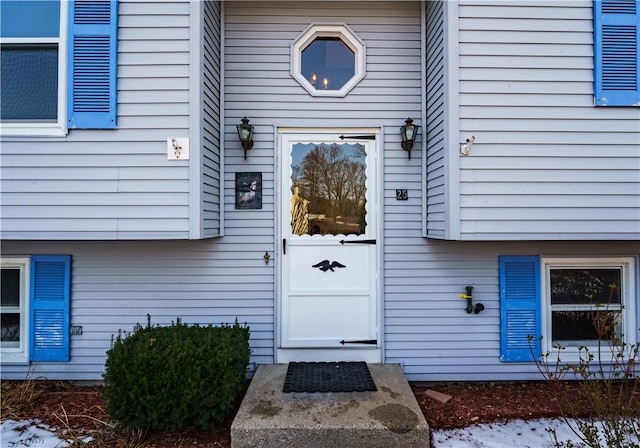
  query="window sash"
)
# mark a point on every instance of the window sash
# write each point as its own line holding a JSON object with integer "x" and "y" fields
{"x": 626, "y": 305}
{"x": 58, "y": 127}
{"x": 29, "y": 83}
{"x": 10, "y": 350}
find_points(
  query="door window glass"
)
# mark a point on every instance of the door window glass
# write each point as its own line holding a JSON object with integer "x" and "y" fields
{"x": 328, "y": 193}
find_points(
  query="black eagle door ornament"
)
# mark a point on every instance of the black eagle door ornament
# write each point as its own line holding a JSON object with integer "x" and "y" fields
{"x": 326, "y": 265}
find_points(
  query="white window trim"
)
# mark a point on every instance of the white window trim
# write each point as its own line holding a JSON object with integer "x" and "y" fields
{"x": 627, "y": 293}
{"x": 59, "y": 128}
{"x": 343, "y": 33}
{"x": 19, "y": 355}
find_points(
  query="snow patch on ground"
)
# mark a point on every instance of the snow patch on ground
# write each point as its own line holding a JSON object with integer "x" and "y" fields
{"x": 30, "y": 433}
{"x": 515, "y": 433}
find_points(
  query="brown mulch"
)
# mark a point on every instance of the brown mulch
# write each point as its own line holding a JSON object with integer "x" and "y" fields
{"x": 472, "y": 403}
{"x": 82, "y": 409}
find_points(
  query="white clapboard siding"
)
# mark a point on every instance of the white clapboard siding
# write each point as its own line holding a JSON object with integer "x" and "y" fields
{"x": 546, "y": 164}
{"x": 114, "y": 184}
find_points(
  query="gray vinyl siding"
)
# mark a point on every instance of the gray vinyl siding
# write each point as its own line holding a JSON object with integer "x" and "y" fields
{"x": 547, "y": 164}
{"x": 435, "y": 120}
{"x": 259, "y": 85}
{"x": 211, "y": 104}
{"x": 113, "y": 184}
{"x": 116, "y": 284}
{"x": 427, "y": 328}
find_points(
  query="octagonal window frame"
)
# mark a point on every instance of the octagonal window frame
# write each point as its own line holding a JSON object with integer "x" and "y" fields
{"x": 348, "y": 37}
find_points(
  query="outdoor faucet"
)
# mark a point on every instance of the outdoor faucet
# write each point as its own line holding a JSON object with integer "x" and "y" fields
{"x": 469, "y": 296}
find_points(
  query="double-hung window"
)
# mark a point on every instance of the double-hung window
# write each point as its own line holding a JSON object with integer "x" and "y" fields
{"x": 568, "y": 304}
{"x": 616, "y": 51}
{"x": 586, "y": 303}
{"x": 58, "y": 66}
{"x": 34, "y": 56}
{"x": 14, "y": 309}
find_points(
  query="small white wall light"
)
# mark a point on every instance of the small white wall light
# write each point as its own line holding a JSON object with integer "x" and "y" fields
{"x": 465, "y": 148}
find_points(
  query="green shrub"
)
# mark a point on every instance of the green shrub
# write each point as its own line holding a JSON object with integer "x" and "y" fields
{"x": 175, "y": 377}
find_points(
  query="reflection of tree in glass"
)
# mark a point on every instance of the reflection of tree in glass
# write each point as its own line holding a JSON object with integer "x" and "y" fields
{"x": 584, "y": 286}
{"x": 334, "y": 183}
{"x": 586, "y": 305}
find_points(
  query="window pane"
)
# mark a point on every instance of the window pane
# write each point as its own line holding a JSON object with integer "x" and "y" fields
{"x": 328, "y": 63}
{"x": 29, "y": 83}
{"x": 584, "y": 327}
{"x": 10, "y": 286}
{"x": 328, "y": 189}
{"x": 585, "y": 286}
{"x": 10, "y": 332}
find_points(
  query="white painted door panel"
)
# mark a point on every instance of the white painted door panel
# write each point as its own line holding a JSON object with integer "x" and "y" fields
{"x": 328, "y": 268}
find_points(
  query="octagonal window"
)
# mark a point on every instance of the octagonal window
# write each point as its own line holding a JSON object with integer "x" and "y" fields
{"x": 328, "y": 60}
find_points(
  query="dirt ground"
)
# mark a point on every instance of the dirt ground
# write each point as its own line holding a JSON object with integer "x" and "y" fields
{"x": 81, "y": 411}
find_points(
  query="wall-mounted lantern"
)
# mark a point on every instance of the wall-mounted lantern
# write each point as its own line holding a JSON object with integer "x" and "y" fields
{"x": 245, "y": 133}
{"x": 408, "y": 133}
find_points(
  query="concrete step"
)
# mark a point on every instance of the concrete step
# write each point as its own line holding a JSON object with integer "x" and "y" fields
{"x": 388, "y": 418}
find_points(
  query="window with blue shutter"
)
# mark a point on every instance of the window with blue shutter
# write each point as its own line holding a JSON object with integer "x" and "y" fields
{"x": 520, "y": 325}
{"x": 50, "y": 298}
{"x": 92, "y": 59}
{"x": 616, "y": 43}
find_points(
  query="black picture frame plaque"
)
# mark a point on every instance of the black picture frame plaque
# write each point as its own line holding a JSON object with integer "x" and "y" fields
{"x": 248, "y": 191}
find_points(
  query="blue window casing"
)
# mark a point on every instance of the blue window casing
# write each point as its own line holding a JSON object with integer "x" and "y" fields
{"x": 520, "y": 308}
{"x": 50, "y": 303}
{"x": 616, "y": 48}
{"x": 92, "y": 63}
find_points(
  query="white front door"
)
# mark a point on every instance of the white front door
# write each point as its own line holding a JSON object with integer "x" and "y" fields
{"x": 329, "y": 300}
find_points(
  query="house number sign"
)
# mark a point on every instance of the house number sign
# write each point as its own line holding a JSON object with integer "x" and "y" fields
{"x": 402, "y": 194}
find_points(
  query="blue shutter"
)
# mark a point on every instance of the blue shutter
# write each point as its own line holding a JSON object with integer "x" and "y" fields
{"x": 519, "y": 308}
{"x": 49, "y": 307}
{"x": 93, "y": 37}
{"x": 616, "y": 43}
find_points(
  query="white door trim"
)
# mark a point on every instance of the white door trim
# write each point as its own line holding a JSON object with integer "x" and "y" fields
{"x": 372, "y": 354}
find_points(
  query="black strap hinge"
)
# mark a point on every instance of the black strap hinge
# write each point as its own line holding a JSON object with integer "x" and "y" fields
{"x": 358, "y": 242}
{"x": 363, "y": 341}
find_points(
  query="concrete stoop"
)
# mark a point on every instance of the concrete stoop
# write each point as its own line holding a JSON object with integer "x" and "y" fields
{"x": 388, "y": 418}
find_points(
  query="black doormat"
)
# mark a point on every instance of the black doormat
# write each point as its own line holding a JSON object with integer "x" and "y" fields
{"x": 328, "y": 377}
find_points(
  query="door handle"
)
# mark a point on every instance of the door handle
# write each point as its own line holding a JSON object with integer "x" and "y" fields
{"x": 284, "y": 246}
